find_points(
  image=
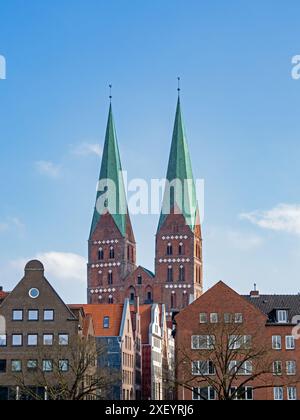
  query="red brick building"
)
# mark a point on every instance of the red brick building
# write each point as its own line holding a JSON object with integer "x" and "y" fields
{"x": 265, "y": 322}
{"x": 112, "y": 271}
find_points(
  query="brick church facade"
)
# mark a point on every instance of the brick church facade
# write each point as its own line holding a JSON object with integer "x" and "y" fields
{"x": 113, "y": 273}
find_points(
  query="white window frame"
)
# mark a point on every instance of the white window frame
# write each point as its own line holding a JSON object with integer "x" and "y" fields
{"x": 290, "y": 343}
{"x": 278, "y": 390}
{"x": 214, "y": 318}
{"x": 277, "y": 342}
{"x": 203, "y": 318}
{"x": 289, "y": 364}
{"x": 282, "y": 316}
{"x": 203, "y": 368}
{"x": 210, "y": 341}
{"x": 238, "y": 318}
{"x": 210, "y": 391}
{"x": 277, "y": 368}
{"x": 289, "y": 389}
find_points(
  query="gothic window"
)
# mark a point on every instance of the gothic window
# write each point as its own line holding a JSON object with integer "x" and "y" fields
{"x": 110, "y": 300}
{"x": 173, "y": 300}
{"x": 140, "y": 280}
{"x": 100, "y": 254}
{"x": 169, "y": 249}
{"x": 110, "y": 278}
{"x": 149, "y": 296}
{"x": 111, "y": 253}
{"x": 128, "y": 252}
{"x": 170, "y": 274}
{"x": 181, "y": 273}
{"x": 185, "y": 299}
{"x": 132, "y": 295}
{"x": 181, "y": 249}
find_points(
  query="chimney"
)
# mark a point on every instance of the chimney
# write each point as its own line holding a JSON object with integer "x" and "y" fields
{"x": 254, "y": 293}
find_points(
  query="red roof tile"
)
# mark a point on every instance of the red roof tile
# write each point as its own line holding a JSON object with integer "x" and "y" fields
{"x": 99, "y": 312}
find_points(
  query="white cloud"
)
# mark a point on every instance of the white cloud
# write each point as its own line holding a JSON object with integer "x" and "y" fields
{"x": 62, "y": 267}
{"x": 85, "y": 149}
{"x": 284, "y": 218}
{"x": 10, "y": 223}
{"x": 48, "y": 168}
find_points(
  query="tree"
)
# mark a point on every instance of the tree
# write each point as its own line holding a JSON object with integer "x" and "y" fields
{"x": 226, "y": 363}
{"x": 67, "y": 373}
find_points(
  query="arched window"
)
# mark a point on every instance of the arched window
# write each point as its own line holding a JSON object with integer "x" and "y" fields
{"x": 149, "y": 295}
{"x": 110, "y": 279}
{"x": 181, "y": 273}
{"x": 132, "y": 295}
{"x": 110, "y": 299}
{"x": 169, "y": 249}
{"x": 181, "y": 249}
{"x": 111, "y": 253}
{"x": 139, "y": 280}
{"x": 173, "y": 300}
{"x": 170, "y": 274}
{"x": 100, "y": 254}
{"x": 185, "y": 299}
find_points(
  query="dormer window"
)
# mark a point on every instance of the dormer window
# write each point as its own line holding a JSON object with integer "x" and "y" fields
{"x": 282, "y": 317}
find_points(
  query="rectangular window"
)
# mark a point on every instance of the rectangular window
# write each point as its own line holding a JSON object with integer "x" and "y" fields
{"x": 3, "y": 340}
{"x": 17, "y": 315}
{"x": 16, "y": 366}
{"x": 276, "y": 342}
{"x": 237, "y": 342}
{"x": 48, "y": 339}
{"x": 203, "y": 368}
{"x": 290, "y": 342}
{"x": 282, "y": 317}
{"x": 47, "y": 365}
{"x": 203, "y": 342}
{"x": 238, "y": 318}
{"x": 17, "y": 340}
{"x": 203, "y": 318}
{"x": 291, "y": 368}
{"x": 278, "y": 393}
{"x": 246, "y": 369}
{"x": 228, "y": 318}
{"x": 33, "y": 315}
{"x": 32, "y": 340}
{"x": 63, "y": 365}
{"x": 292, "y": 393}
{"x": 214, "y": 318}
{"x": 242, "y": 393}
{"x": 206, "y": 394}
{"x": 277, "y": 368}
{"x": 2, "y": 366}
{"x": 106, "y": 322}
{"x": 32, "y": 365}
{"x": 49, "y": 315}
{"x": 63, "y": 339}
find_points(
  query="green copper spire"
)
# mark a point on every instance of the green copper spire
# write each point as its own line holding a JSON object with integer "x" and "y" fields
{"x": 183, "y": 199}
{"x": 111, "y": 174}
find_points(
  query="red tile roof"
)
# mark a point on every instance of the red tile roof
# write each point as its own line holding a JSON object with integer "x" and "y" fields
{"x": 99, "y": 312}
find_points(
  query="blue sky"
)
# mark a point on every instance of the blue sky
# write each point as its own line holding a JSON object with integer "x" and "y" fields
{"x": 241, "y": 110}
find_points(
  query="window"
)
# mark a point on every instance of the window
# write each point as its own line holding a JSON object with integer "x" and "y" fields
{"x": 214, "y": 318}
{"x": 181, "y": 273}
{"x": 110, "y": 278}
{"x": 106, "y": 322}
{"x": 47, "y": 365}
{"x": 169, "y": 250}
{"x": 63, "y": 339}
{"x": 140, "y": 280}
{"x": 282, "y": 317}
{"x": 203, "y": 318}
{"x": 181, "y": 249}
{"x": 32, "y": 365}
{"x": 49, "y": 315}
{"x": 173, "y": 300}
{"x": 17, "y": 340}
{"x": 206, "y": 394}
{"x": 237, "y": 342}
{"x": 33, "y": 315}
{"x": 3, "y": 340}
{"x": 100, "y": 254}
{"x": 277, "y": 368}
{"x": 149, "y": 297}
{"x": 16, "y": 366}
{"x": 48, "y": 339}
{"x": 276, "y": 342}
{"x": 203, "y": 342}
{"x": 242, "y": 393}
{"x": 278, "y": 393}
{"x": 290, "y": 342}
{"x": 227, "y": 318}
{"x": 292, "y": 393}
{"x": 291, "y": 368}
{"x": 32, "y": 340}
{"x": 246, "y": 369}
{"x": 203, "y": 368}
{"x": 170, "y": 274}
{"x": 2, "y": 366}
{"x": 17, "y": 315}
{"x": 111, "y": 253}
{"x": 110, "y": 300}
{"x": 63, "y": 365}
{"x": 34, "y": 293}
{"x": 238, "y": 318}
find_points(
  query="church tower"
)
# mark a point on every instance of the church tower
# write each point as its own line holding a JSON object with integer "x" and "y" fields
{"x": 178, "y": 259}
{"x": 111, "y": 245}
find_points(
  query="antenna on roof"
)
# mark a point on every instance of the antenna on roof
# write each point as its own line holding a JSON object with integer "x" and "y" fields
{"x": 110, "y": 92}
{"x": 255, "y": 287}
{"x": 178, "y": 87}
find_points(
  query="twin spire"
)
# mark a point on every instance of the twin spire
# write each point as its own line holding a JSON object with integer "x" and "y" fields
{"x": 179, "y": 168}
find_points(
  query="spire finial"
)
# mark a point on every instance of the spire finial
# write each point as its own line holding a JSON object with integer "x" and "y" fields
{"x": 255, "y": 287}
{"x": 110, "y": 92}
{"x": 179, "y": 87}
